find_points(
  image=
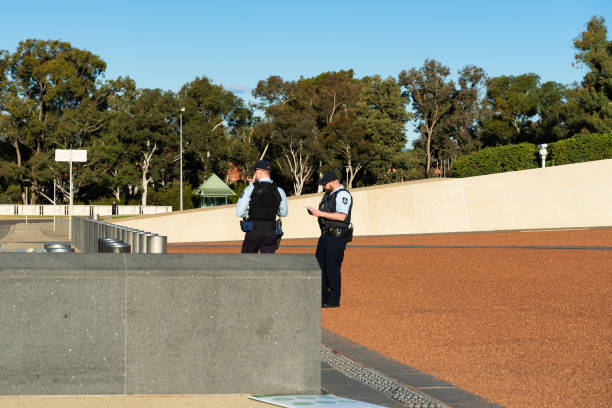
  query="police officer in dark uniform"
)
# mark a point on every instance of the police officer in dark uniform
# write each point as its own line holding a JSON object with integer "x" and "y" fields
{"x": 261, "y": 201}
{"x": 334, "y": 216}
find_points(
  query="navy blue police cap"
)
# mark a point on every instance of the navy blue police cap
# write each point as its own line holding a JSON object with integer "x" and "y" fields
{"x": 328, "y": 176}
{"x": 262, "y": 164}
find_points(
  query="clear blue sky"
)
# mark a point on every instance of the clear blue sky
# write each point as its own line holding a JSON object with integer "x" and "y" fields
{"x": 165, "y": 44}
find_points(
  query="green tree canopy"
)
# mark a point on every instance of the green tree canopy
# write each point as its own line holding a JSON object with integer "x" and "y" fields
{"x": 40, "y": 82}
{"x": 593, "y": 99}
{"x": 431, "y": 93}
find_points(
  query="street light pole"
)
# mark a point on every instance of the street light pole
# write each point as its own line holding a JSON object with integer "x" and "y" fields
{"x": 70, "y": 218}
{"x": 181, "y": 156}
{"x": 347, "y": 178}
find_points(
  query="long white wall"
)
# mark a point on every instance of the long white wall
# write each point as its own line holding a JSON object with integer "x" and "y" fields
{"x": 576, "y": 195}
{"x": 81, "y": 210}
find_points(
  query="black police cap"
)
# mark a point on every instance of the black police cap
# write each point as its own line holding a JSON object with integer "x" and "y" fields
{"x": 328, "y": 176}
{"x": 262, "y": 164}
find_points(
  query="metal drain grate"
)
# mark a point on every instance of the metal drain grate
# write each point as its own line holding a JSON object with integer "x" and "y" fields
{"x": 380, "y": 382}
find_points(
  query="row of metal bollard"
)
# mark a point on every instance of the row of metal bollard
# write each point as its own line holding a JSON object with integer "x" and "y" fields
{"x": 92, "y": 236}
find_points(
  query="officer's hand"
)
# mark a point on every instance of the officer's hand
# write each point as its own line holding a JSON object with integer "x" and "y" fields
{"x": 311, "y": 210}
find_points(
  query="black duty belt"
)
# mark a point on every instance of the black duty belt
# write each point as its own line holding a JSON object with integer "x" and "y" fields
{"x": 339, "y": 232}
{"x": 260, "y": 224}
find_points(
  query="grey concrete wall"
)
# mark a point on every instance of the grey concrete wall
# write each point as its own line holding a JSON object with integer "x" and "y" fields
{"x": 159, "y": 324}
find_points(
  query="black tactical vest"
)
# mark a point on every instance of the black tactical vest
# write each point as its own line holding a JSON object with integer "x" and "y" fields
{"x": 265, "y": 201}
{"x": 328, "y": 204}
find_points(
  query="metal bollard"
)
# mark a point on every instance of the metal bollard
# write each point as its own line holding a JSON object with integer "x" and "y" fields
{"x": 119, "y": 232}
{"x": 92, "y": 243}
{"x": 60, "y": 250}
{"x": 136, "y": 241}
{"x": 124, "y": 234}
{"x": 114, "y": 232}
{"x": 116, "y": 248}
{"x": 157, "y": 244}
{"x": 87, "y": 235}
{"x": 84, "y": 233}
{"x": 130, "y": 237}
{"x": 56, "y": 245}
{"x": 142, "y": 244}
{"x": 75, "y": 227}
{"x": 105, "y": 230}
{"x": 102, "y": 241}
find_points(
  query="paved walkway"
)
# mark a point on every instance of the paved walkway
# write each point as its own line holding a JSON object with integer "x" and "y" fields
{"x": 18, "y": 236}
{"x": 347, "y": 369}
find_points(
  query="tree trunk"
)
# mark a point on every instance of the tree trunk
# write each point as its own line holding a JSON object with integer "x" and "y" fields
{"x": 145, "y": 188}
{"x": 146, "y": 162}
{"x": 353, "y": 174}
{"x": 34, "y": 193}
{"x": 15, "y": 144}
{"x": 320, "y": 187}
{"x": 264, "y": 152}
{"x": 299, "y": 167}
{"x": 428, "y": 149}
{"x": 17, "y": 151}
{"x": 116, "y": 193}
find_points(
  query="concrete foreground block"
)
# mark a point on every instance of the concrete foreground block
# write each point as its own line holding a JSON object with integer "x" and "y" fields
{"x": 61, "y": 335}
{"x": 82, "y": 324}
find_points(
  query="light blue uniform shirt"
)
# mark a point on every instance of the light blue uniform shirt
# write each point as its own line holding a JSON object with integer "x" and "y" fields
{"x": 343, "y": 200}
{"x": 242, "y": 207}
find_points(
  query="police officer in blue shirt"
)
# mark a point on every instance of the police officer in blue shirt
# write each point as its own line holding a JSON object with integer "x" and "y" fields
{"x": 334, "y": 216}
{"x": 261, "y": 202}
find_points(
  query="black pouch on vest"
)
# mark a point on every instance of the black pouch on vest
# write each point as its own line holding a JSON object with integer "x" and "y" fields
{"x": 279, "y": 228}
{"x": 246, "y": 225}
{"x": 279, "y": 232}
{"x": 349, "y": 233}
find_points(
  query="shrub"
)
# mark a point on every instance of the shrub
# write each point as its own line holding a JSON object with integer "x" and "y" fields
{"x": 523, "y": 156}
{"x": 238, "y": 187}
{"x": 581, "y": 148}
{"x": 104, "y": 201}
{"x": 496, "y": 160}
{"x": 171, "y": 197}
{"x": 12, "y": 195}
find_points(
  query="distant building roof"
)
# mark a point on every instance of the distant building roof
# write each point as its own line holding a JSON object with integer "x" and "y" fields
{"x": 214, "y": 187}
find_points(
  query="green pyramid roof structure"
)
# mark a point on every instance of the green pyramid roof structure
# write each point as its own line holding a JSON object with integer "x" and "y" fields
{"x": 214, "y": 187}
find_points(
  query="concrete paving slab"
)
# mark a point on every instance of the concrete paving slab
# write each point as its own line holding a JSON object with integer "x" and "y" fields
{"x": 28, "y": 237}
{"x": 133, "y": 401}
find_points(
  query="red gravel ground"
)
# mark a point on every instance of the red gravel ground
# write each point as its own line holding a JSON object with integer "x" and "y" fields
{"x": 519, "y": 327}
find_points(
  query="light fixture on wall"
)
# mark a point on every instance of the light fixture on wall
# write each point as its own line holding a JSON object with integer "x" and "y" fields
{"x": 543, "y": 153}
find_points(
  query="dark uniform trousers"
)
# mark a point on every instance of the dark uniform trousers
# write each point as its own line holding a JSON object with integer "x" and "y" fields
{"x": 259, "y": 239}
{"x": 330, "y": 254}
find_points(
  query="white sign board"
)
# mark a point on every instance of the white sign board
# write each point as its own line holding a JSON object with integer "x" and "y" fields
{"x": 63, "y": 155}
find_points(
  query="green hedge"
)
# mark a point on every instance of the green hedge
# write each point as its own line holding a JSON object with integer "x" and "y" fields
{"x": 580, "y": 149}
{"x": 496, "y": 160}
{"x": 12, "y": 195}
{"x": 523, "y": 156}
{"x": 171, "y": 196}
